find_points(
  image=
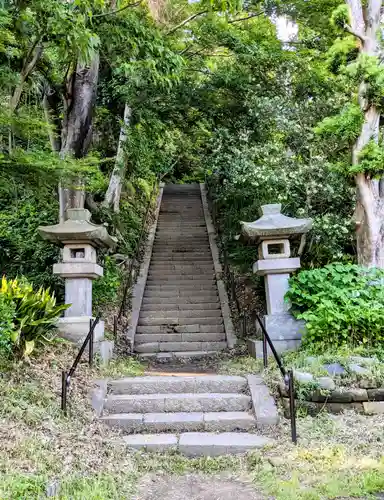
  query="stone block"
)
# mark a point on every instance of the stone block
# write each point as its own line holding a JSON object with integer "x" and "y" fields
{"x": 357, "y": 369}
{"x": 195, "y": 444}
{"x": 98, "y": 395}
{"x": 137, "y": 403}
{"x": 282, "y": 327}
{"x": 130, "y": 422}
{"x": 273, "y": 249}
{"x": 358, "y": 394}
{"x": 334, "y": 369}
{"x": 174, "y": 422}
{"x": 76, "y": 329}
{"x": 210, "y": 402}
{"x": 326, "y": 383}
{"x": 78, "y": 270}
{"x": 255, "y": 347}
{"x": 366, "y": 383}
{"x": 106, "y": 351}
{"x": 220, "y": 383}
{"x": 228, "y": 421}
{"x": 263, "y": 403}
{"x": 151, "y": 442}
{"x": 303, "y": 377}
{"x": 340, "y": 396}
{"x": 269, "y": 266}
{"x": 154, "y": 385}
{"x": 376, "y": 394}
{"x": 374, "y": 407}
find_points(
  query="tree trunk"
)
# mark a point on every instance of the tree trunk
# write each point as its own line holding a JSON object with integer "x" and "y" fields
{"x": 369, "y": 213}
{"x": 77, "y": 127}
{"x": 112, "y": 197}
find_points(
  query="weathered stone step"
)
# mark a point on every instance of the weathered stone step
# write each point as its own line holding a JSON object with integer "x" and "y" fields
{"x": 180, "y": 307}
{"x": 145, "y": 338}
{"x": 176, "y": 279}
{"x": 185, "y": 295}
{"x": 183, "y": 313}
{"x": 180, "y": 346}
{"x": 171, "y": 403}
{"x": 161, "y": 272}
{"x": 183, "y": 267}
{"x": 179, "y": 321}
{"x": 164, "y": 357}
{"x": 168, "y": 287}
{"x": 178, "y": 384}
{"x": 181, "y": 421}
{"x": 180, "y": 329}
{"x": 198, "y": 444}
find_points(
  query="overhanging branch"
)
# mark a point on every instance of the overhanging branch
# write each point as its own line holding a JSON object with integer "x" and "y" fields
{"x": 186, "y": 21}
{"x": 251, "y": 16}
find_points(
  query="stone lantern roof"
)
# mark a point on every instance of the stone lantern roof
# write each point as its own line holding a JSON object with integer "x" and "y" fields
{"x": 78, "y": 228}
{"x": 273, "y": 224}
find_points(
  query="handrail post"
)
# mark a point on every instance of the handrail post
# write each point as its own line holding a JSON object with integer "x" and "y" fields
{"x": 91, "y": 338}
{"x": 64, "y": 387}
{"x": 265, "y": 350}
{"x": 292, "y": 406}
{"x": 115, "y": 328}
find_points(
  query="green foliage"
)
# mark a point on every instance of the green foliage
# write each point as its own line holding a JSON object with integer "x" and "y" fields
{"x": 340, "y": 16}
{"x": 371, "y": 160}
{"x": 105, "y": 289}
{"x": 344, "y": 127}
{"x": 341, "y": 304}
{"x": 35, "y": 314}
{"x": 368, "y": 69}
{"x": 7, "y": 313}
{"x": 343, "y": 51}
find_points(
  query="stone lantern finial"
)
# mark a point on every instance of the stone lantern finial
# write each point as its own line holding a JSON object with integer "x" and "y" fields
{"x": 272, "y": 232}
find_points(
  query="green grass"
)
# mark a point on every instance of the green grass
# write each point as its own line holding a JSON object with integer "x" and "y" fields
{"x": 337, "y": 456}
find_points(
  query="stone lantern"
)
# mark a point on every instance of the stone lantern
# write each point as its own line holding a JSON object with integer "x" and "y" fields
{"x": 80, "y": 238}
{"x": 273, "y": 232}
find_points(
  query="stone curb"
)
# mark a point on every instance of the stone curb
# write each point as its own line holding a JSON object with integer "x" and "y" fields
{"x": 139, "y": 287}
{"x": 263, "y": 403}
{"x": 225, "y": 309}
{"x": 98, "y": 396}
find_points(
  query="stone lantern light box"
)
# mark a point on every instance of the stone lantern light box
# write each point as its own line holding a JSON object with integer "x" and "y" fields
{"x": 80, "y": 239}
{"x": 272, "y": 233}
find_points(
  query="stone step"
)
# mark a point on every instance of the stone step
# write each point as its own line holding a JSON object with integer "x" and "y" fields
{"x": 183, "y": 313}
{"x": 177, "y": 273}
{"x": 179, "y": 346}
{"x": 178, "y": 384}
{"x": 181, "y": 421}
{"x": 144, "y": 338}
{"x": 176, "y": 279}
{"x": 180, "y": 307}
{"x": 198, "y": 444}
{"x": 180, "y": 329}
{"x": 183, "y": 268}
{"x": 184, "y": 287}
{"x": 183, "y": 295}
{"x": 164, "y": 357}
{"x": 168, "y": 403}
{"x": 179, "y": 321}
{"x": 181, "y": 261}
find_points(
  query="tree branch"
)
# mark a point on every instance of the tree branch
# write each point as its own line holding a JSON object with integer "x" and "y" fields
{"x": 251, "y": 16}
{"x": 186, "y": 21}
{"x": 113, "y": 12}
{"x": 358, "y": 35}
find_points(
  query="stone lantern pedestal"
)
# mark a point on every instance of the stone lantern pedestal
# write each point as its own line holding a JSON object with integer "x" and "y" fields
{"x": 80, "y": 238}
{"x": 273, "y": 232}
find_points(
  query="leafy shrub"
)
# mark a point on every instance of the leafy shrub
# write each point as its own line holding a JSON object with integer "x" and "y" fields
{"x": 7, "y": 313}
{"x": 35, "y": 314}
{"x": 105, "y": 289}
{"x": 341, "y": 304}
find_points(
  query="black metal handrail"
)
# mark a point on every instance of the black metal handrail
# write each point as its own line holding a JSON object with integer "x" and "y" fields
{"x": 66, "y": 376}
{"x": 267, "y": 341}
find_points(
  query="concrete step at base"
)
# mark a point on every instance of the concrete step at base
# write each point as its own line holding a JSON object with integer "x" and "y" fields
{"x": 145, "y": 338}
{"x": 166, "y": 329}
{"x": 165, "y": 357}
{"x": 168, "y": 346}
{"x": 181, "y": 421}
{"x": 214, "y": 306}
{"x": 179, "y": 321}
{"x": 178, "y": 384}
{"x": 168, "y": 403}
{"x": 198, "y": 444}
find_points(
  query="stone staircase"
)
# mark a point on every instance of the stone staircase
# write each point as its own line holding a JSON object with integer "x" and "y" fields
{"x": 180, "y": 313}
{"x": 197, "y": 415}
{"x": 180, "y": 310}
